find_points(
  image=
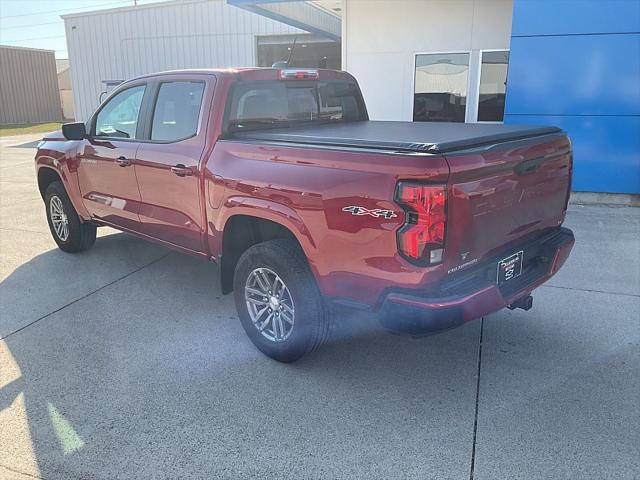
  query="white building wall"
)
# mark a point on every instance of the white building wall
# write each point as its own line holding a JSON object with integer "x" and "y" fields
{"x": 127, "y": 42}
{"x": 381, "y": 37}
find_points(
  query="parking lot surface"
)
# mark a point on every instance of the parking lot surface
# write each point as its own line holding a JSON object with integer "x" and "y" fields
{"x": 127, "y": 362}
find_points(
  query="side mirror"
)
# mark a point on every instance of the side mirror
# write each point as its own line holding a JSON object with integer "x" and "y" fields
{"x": 74, "y": 131}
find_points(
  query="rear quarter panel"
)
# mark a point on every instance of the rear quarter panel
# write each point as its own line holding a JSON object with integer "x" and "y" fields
{"x": 305, "y": 189}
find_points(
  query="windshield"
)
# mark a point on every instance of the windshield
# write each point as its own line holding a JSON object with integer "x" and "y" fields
{"x": 280, "y": 103}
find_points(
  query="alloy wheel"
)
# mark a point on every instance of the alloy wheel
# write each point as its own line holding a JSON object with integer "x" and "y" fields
{"x": 59, "y": 218}
{"x": 270, "y": 304}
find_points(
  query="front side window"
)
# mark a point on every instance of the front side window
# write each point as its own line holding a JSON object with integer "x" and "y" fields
{"x": 177, "y": 110}
{"x": 493, "y": 86}
{"x": 119, "y": 117}
{"x": 264, "y": 104}
{"x": 440, "y": 92}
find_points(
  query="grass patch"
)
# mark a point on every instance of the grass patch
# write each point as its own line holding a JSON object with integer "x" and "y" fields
{"x": 10, "y": 130}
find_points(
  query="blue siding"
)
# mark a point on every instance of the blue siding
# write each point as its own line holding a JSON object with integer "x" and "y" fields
{"x": 576, "y": 64}
{"x": 605, "y": 150}
{"x": 562, "y": 17}
{"x": 575, "y": 75}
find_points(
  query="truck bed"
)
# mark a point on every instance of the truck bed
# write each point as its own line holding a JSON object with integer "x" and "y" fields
{"x": 426, "y": 137}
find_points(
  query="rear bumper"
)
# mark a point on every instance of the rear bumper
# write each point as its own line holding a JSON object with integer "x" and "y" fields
{"x": 472, "y": 295}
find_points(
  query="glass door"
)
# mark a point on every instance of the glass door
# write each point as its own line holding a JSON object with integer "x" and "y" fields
{"x": 493, "y": 85}
{"x": 460, "y": 86}
{"x": 440, "y": 87}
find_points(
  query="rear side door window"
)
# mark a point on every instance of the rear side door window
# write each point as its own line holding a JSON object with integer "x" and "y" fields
{"x": 119, "y": 117}
{"x": 177, "y": 111}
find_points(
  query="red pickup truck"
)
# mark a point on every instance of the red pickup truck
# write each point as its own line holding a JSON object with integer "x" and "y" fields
{"x": 279, "y": 177}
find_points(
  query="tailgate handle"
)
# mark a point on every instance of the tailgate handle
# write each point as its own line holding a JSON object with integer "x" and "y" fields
{"x": 529, "y": 166}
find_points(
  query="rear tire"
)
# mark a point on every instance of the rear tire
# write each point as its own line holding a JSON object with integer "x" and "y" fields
{"x": 69, "y": 232}
{"x": 290, "y": 320}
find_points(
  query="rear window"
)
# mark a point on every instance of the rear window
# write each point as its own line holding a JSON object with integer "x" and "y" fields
{"x": 280, "y": 103}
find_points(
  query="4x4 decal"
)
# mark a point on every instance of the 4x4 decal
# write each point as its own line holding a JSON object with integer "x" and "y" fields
{"x": 376, "y": 212}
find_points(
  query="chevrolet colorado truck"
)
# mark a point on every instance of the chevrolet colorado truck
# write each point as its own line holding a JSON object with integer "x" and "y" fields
{"x": 279, "y": 177}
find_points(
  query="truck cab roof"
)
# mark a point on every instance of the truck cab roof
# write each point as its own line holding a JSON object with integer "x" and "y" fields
{"x": 252, "y": 73}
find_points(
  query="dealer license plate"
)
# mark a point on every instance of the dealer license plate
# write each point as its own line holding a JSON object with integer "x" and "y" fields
{"x": 510, "y": 267}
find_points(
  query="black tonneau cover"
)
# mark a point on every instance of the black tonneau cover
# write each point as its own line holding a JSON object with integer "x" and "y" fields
{"x": 430, "y": 137}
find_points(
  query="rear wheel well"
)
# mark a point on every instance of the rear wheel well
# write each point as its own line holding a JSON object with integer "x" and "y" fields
{"x": 240, "y": 233}
{"x": 46, "y": 176}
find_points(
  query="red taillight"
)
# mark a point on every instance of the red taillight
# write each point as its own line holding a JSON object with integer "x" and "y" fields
{"x": 299, "y": 74}
{"x": 421, "y": 239}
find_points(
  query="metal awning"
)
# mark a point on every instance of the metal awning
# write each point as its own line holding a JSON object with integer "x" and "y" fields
{"x": 310, "y": 16}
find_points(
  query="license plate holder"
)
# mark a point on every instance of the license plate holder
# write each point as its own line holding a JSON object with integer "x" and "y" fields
{"x": 509, "y": 267}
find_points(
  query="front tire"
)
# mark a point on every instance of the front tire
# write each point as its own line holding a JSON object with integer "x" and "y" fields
{"x": 278, "y": 301}
{"x": 68, "y": 231}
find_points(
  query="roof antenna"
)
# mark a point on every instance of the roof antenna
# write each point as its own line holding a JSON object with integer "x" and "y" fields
{"x": 295, "y": 39}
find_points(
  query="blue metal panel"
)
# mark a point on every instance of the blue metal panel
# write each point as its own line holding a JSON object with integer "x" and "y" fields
{"x": 575, "y": 75}
{"x": 576, "y": 64}
{"x": 550, "y": 17}
{"x": 606, "y": 150}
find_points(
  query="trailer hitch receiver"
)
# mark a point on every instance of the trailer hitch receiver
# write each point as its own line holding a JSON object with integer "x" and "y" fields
{"x": 525, "y": 303}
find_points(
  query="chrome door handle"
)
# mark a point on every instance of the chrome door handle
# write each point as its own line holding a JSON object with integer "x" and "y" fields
{"x": 123, "y": 162}
{"x": 182, "y": 171}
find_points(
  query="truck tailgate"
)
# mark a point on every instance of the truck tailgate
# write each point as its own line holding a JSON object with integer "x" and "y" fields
{"x": 501, "y": 195}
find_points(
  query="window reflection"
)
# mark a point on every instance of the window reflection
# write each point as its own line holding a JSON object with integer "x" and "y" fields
{"x": 493, "y": 86}
{"x": 440, "y": 93}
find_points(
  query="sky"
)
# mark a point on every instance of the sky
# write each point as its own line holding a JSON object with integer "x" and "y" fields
{"x": 37, "y": 23}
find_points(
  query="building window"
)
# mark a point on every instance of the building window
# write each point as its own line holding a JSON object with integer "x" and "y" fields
{"x": 440, "y": 91}
{"x": 493, "y": 86}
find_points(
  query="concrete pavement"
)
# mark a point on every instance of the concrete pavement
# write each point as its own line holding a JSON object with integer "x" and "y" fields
{"x": 127, "y": 362}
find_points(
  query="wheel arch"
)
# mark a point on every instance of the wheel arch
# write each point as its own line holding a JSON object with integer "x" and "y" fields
{"x": 51, "y": 170}
{"x": 46, "y": 176}
{"x": 242, "y": 231}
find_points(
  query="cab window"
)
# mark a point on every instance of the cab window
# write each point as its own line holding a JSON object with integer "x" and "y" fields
{"x": 267, "y": 104}
{"x": 177, "y": 110}
{"x": 119, "y": 117}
